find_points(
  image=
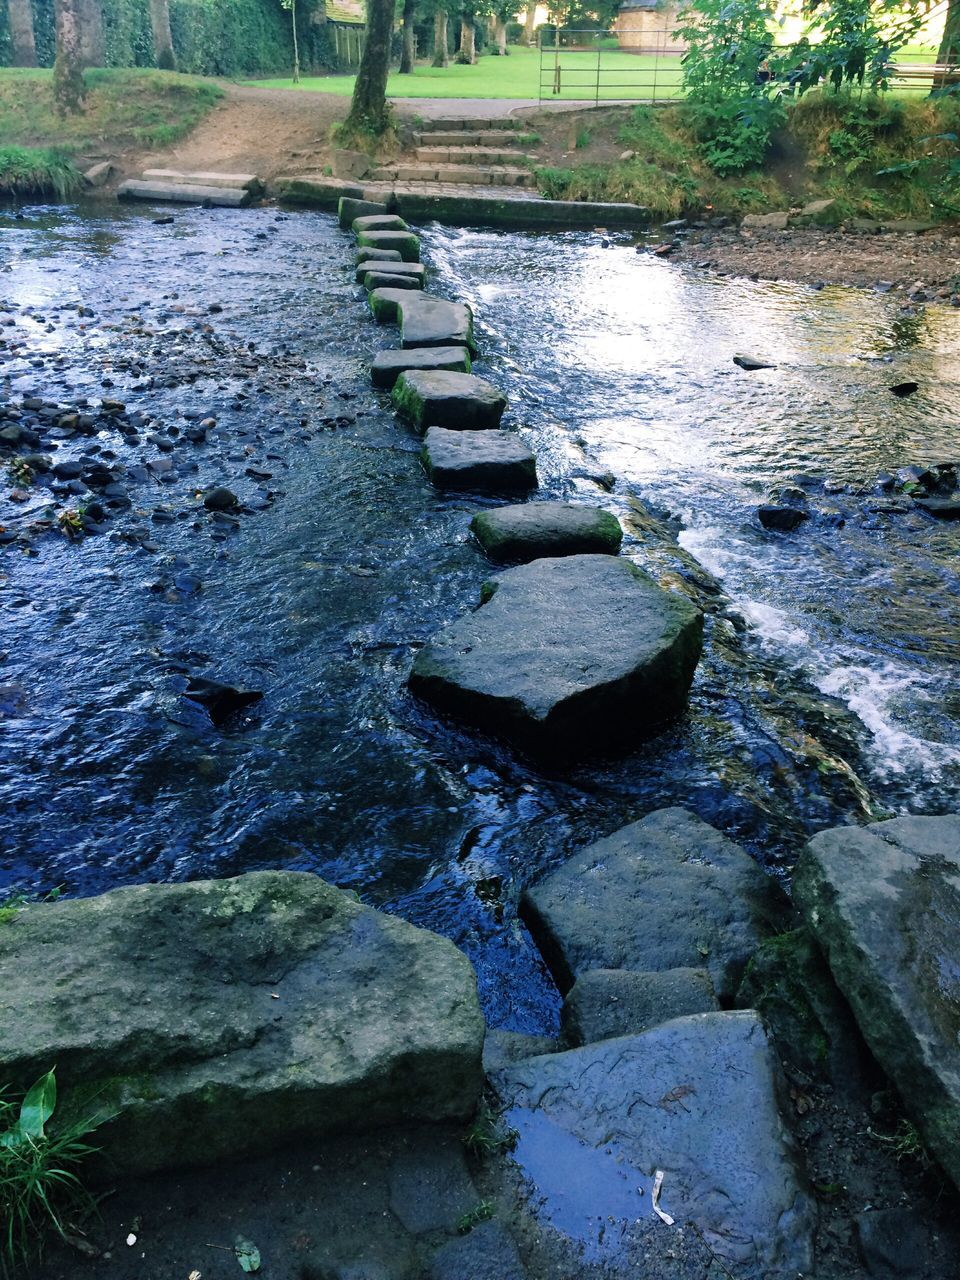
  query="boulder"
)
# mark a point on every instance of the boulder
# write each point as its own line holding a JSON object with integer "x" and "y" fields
{"x": 227, "y": 1016}
{"x": 379, "y": 222}
{"x": 782, "y": 519}
{"x": 531, "y": 530}
{"x": 98, "y": 175}
{"x": 351, "y": 164}
{"x": 439, "y": 398}
{"x": 751, "y": 363}
{"x": 387, "y": 366}
{"x": 565, "y": 658}
{"x": 483, "y": 461}
{"x": 667, "y": 892}
{"x": 434, "y": 322}
{"x": 696, "y": 1098}
{"x": 818, "y": 213}
{"x": 942, "y": 508}
{"x": 405, "y": 242}
{"x": 349, "y": 209}
{"x": 390, "y": 266}
{"x": 604, "y": 1003}
{"x": 766, "y": 221}
{"x": 884, "y": 904}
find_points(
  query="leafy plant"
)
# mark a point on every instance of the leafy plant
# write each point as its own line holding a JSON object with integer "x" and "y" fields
{"x": 70, "y": 523}
{"x": 10, "y": 906}
{"x": 855, "y": 41}
{"x": 904, "y": 1143}
{"x": 20, "y": 472}
{"x": 40, "y": 1189}
{"x": 481, "y": 1212}
{"x": 486, "y": 1136}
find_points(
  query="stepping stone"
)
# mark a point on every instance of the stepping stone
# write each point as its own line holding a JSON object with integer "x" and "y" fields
{"x": 375, "y": 1022}
{"x": 696, "y": 1098}
{"x": 405, "y": 242}
{"x": 483, "y": 461}
{"x": 388, "y": 280}
{"x": 391, "y": 266}
{"x": 240, "y": 181}
{"x": 388, "y": 365}
{"x": 349, "y": 209}
{"x": 434, "y": 322}
{"x": 884, "y": 904}
{"x": 380, "y": 222}
{"x": 604, "y": 1003}
{"x": 378, "y": 255}
{"x": 535, "y": 529}
{"x": 566, "y": 657}
{"x": 438, "y": 398}
{"x": 184, "y": 193}
{"x": 667, "y": 892}
{"x": 385, "y": 304}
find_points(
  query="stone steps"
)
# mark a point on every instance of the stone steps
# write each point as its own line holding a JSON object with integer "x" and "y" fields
{"x": 468, "y": 175}
{"x": 475, "y": 155}
{"x": 466, "y": 138}
{"x": 472, "y": 124}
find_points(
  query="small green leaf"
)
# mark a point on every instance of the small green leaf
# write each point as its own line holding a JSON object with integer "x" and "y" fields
{"x": 38, "y": 1106}
{"x": 248, "y": 1255}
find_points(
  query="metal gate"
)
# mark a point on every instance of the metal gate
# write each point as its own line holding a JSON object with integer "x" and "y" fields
{"x": 591, "y": 66}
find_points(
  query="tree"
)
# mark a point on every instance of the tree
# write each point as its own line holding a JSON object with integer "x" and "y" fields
{"x": 291, "y": 7}
{"x": 530, "y": 25}
{"x": 91, "y": 33}
{"x": 24, "y": 46}
{"x": 949, "y": 45}
{"x": 409, "y": 42}
{"x": 68, "y": 87}
{"x": 368, "y": 109}
{"x": 467, "y": 53}
{"x": 440, "y": 56}
{"x": 162, "y": 38}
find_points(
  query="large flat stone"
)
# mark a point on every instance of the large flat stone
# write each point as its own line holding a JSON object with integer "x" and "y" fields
{"x": 405, "y": 242}
{"x": 667, "y": 892}
{"x": 393, "y": 267}
{"x": 604, "y": 1003}
{"x": 482, "y": 461}
{"x": 349, "y": 209}
{"x": 884, "y": 904}
{"x": 378, "y": 255}
{"x": 531, "y": 530}
{"x": 434, "y": 322}
{"x": 439, "y": 398}
{"x": 385, "y": 304}
{"x": 390, "y": 280}
{"x": 387, "y": 366}
{"x": 566, "y": 657}
{"x": 696, "y": 1098}
{"x": 184, "y": 193}
{"x": 379, "y": 222}
{"x": 226, "y": 1016}
{"x": 240, "y": 181}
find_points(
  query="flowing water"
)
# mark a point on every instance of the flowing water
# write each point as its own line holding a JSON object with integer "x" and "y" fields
{"x": 829, "y": 685}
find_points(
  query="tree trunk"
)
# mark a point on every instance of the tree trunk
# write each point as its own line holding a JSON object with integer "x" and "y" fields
{"x": 949, "y": 46}
{"x": 500, "y": 36}
{"x": 440, "y": 57}
{"x": 529, "y": 26}
{"x": 91, "y": 33}
{"x": 368, "y": 110}
{"x": 408, "y": 49}
{"x": 68, "y": 90}
{"x": 21, "y": 33}
{"x": 296, "y": 44}
{"x": 468, "y": 51}
{"x": 162, "y": 39}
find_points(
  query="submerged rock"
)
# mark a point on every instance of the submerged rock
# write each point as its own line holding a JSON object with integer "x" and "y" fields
{"x": 752, "y": 363}
{"x": 696, "y": 1098}
{"x": 884, "y": 904}
{"x": 227, "y": 1016}
{"x": 439, "y": 398}
{"x": 566, "y": 657}
{"x": 667, "y": 892}
{"x": 783, "y": 519}
{"x": 531, "y": 530}
{"x": 221, "y": 701}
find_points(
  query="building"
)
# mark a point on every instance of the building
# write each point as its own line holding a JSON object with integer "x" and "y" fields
{"x": 647, "y": 26}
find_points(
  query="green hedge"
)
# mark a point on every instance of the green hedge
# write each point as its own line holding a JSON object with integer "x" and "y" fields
{"x": 211, "y": 37}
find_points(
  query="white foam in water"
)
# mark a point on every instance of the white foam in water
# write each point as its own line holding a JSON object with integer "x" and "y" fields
{"x": 774, "y": 625}
{"x": 869, "y": 693}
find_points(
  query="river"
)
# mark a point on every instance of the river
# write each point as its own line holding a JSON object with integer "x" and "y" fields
{"x": 829, "y": 686}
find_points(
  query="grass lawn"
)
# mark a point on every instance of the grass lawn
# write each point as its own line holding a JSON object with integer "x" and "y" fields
{"x": 125, "y": 107}
{"x": 623, "y": 75}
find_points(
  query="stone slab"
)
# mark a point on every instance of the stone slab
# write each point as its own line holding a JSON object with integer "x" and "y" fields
{"x": 225, "y": 1016}
{"x": 604, "y": 1003}
{"x": 240, "y": 181}
{"x": 884, "y": 904}
{"x": 439, "y": 398}
{"x": 349, "y": 208}
{"x": 384, "y": 302}
{"x": 531, "y": 530}
{"x": 435, "y": 322}
{"x": 184, "y": 193}
{"x": 485, "y": 1253}
{"x": 667, "y": 892}
{"x": 416, "y": 270}
{"x": 697, "y": 1098}
{"x": 390, "y": 280}
{"x": 378, "y": 255}
{"x": 387, "y": 366}
{"x": 481, "y": 461}
{"x": 405, "y": 242}
{"x": 379, "y": 222}
{"x": 565, "y": 658}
